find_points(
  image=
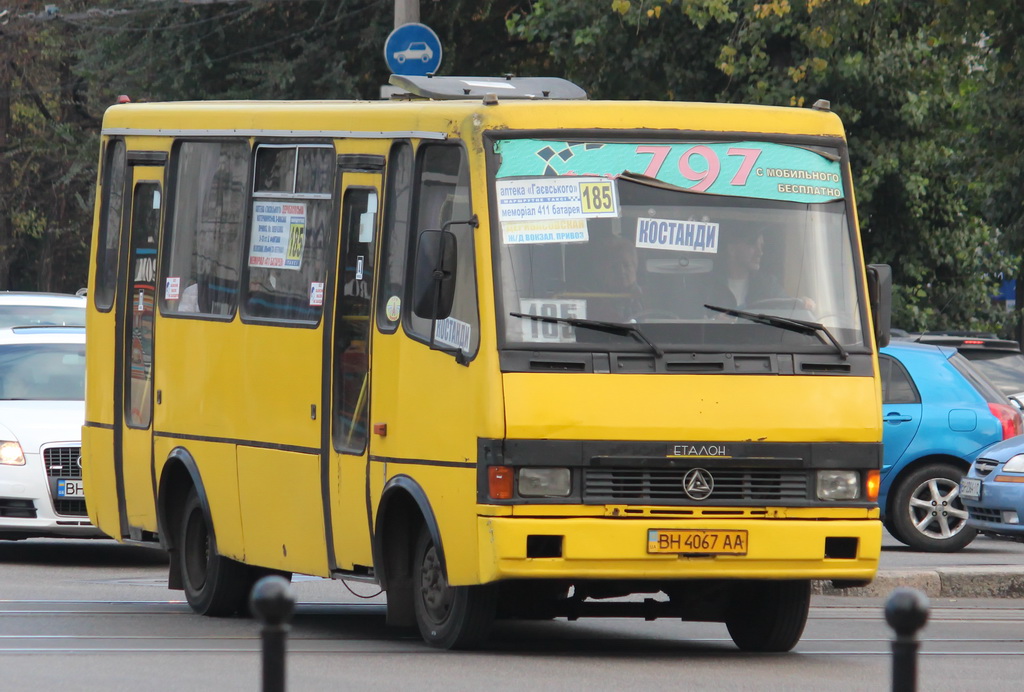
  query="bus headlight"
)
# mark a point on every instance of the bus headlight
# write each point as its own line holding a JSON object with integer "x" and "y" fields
{"x": 544, "y": 482}
{"x": 11, "y": 454}
{"x": 838, "y": 485}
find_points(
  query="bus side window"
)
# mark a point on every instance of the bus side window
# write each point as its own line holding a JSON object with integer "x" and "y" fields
{"x": 289, "y": 232}
{"x": 444, "y": 196}
{"x": 395, "y": 237}
{"x": 202, "y": 260}
{"x": 110, "y": 225}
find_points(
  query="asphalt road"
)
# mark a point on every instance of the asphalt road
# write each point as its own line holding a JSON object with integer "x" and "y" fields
{"x": 983, "y": 551}
{"x": 987, "y": 568}
{"x": 94, "y": 615}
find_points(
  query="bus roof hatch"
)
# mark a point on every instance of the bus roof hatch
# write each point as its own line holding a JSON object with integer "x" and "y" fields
{"x": 508, "y": 87}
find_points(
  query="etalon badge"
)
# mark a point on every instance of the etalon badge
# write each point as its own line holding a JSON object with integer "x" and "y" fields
{"x": 698, "y": 484}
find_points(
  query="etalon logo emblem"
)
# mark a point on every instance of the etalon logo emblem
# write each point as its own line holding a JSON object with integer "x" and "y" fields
{"x": 79, "y": 462}
{"x": 698, "y": 484}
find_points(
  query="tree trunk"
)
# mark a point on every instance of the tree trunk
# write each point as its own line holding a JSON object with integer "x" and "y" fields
{"x": 6, "y": 244}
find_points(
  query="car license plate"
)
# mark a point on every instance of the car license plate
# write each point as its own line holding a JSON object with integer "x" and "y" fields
{"x": 69, "y": 488}
{"x": 697, "y": 541}
{"x": 970, "y": 488}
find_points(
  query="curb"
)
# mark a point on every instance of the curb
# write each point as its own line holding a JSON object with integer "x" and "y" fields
{"x": 945, "y": 582}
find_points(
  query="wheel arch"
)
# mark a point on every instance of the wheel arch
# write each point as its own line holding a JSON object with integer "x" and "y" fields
{"x": 180, "y": 474}
{"x": 403, "y": 507}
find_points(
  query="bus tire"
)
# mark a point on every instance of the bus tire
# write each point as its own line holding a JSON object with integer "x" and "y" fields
{"x": 214, "y": 585}
{"x": 448, "y": 617}
{"x": 768, "y": 616}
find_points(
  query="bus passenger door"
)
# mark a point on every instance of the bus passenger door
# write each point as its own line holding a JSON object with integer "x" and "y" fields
{"x": 133, "y": 395}
{"x": 350, "y": 362}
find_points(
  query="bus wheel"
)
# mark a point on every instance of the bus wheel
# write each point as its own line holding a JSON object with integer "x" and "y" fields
{"x": 214, "y": 585}
{"x": 448, "y": 617}
{"x": 768, "y": 615}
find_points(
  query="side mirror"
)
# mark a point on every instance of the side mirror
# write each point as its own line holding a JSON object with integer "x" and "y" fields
{"x": 880, "y": 298}
{"x": 433, "y": 286}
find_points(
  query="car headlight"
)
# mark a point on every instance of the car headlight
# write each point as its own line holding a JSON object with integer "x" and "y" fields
{"x": 1015, "y": 464}
{"x": 11, "y": 454}
{"x": 544, "y": 482}
{"x": 838, "y": 485}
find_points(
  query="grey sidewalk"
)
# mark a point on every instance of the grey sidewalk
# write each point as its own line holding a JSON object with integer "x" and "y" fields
{"x": 987, "y": 568}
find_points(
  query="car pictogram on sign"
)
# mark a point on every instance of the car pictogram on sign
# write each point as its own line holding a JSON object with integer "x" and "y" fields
{"x": 416, "y": 51}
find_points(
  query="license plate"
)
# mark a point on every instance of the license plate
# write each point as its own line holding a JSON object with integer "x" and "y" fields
{"x": 970, "y": 488}
{"x": 68, "y": 488}
{"x": 697, "y": 542}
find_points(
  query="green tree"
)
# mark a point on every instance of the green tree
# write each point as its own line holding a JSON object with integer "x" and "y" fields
{"x": 998, "y": 166}
{"x": 58, "y": 75}
{"x": 927, "y": 91}
{"x": 45, "y": 154}
{"x": 902, "y": 75}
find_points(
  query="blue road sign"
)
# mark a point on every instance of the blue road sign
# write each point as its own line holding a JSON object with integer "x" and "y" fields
{"x": 413, "y": 49}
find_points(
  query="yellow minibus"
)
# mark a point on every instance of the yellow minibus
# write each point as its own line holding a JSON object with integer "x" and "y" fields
{"x": 498, "y": 348}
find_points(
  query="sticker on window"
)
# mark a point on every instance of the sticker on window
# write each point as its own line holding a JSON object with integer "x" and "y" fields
{"x": 685, "y": 236}
{"x": 538, "y": 331}
{"x": 316, "y": 294}
{"x": 548, "y": 231}
{"x": 278, "y": 235}
{"x": 393, "y": 309}
{"x": 764, "y": 170}
{"x": 172, "y": 287}
{"x": 453, "y": 333}
{"x": 533, "y": 199}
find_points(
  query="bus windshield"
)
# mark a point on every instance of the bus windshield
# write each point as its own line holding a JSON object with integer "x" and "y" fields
{"x": 652, "y": 234}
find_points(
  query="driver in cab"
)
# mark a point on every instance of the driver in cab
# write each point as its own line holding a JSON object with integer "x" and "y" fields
{"x": 738, "y": 280}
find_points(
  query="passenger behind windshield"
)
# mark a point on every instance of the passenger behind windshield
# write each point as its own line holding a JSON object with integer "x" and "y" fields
{"x": 738, "y": 280}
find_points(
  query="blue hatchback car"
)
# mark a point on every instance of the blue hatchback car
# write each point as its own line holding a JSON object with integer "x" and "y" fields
{"x": 938, "y": 413}
{"x": 993, "y": 490}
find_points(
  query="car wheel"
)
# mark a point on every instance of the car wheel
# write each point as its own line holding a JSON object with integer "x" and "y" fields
{"x": 768, "y": 615}
{"x": 448, "y": 617}
{"x": 927, "y": 513}
{"x": 214, "y": 585}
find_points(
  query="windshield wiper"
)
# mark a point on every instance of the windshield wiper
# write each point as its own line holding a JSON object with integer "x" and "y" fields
{"x": 790, "y": 323}
{"x": 618, "y": 328}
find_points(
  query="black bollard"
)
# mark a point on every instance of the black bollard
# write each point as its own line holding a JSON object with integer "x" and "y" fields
{"x": 906, "y": 611}
{"x": 273, "y": 603}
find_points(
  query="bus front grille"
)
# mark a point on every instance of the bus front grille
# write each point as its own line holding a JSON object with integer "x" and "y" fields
{"x": 667, "y": 486}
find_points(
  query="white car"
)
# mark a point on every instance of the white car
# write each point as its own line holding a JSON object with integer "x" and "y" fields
{"x": 19, "y": 309}
{"x": 42, "y": 391}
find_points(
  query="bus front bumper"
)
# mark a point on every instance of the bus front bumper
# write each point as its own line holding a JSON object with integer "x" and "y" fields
{"x": 603, "y": 548}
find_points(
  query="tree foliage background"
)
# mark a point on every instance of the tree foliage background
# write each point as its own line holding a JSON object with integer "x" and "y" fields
{"x": 927, "y": 90}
